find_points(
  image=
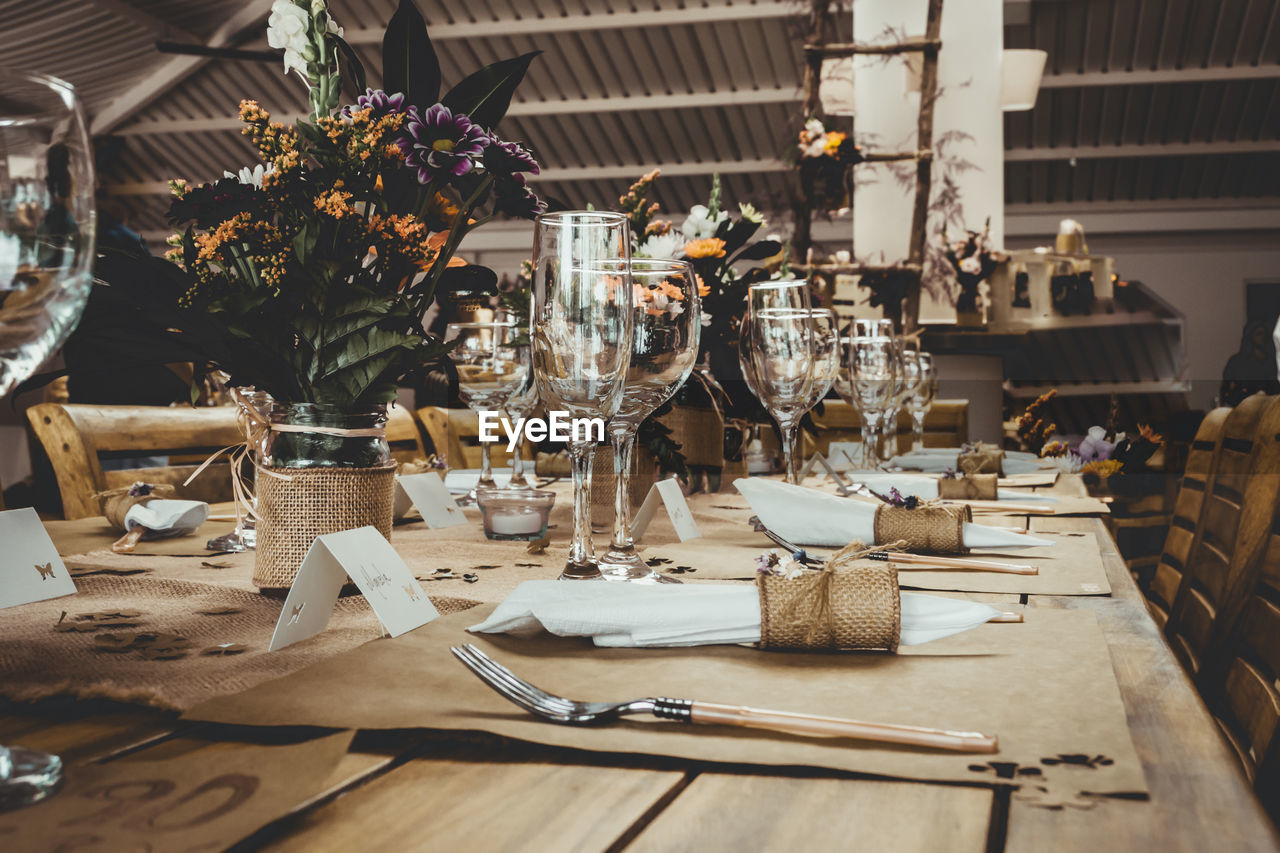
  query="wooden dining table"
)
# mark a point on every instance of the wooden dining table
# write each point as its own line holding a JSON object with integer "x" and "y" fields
{"x": 428, "y": 790}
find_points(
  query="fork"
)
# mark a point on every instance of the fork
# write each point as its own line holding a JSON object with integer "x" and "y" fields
{"x": 558, "y": 709}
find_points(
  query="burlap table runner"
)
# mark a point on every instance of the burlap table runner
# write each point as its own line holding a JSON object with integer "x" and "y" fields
{"x": 929, "y": 528}
{"x": 979, "y": 487}
{"x": 37, "y": 660}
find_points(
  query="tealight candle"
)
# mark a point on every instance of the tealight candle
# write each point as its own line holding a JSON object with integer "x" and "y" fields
{"x": 515, "y": 513}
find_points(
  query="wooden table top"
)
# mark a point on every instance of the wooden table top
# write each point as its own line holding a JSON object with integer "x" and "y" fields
{"x": 436, "y": 790}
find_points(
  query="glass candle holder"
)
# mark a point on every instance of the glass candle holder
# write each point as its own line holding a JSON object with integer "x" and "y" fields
{"x": 519, "y": 514}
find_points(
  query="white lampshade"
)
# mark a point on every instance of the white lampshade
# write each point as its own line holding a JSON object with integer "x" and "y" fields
{"x": 1020, "y": 73}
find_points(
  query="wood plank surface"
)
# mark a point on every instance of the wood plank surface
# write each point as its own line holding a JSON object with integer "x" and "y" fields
{"x": 739, "y": 812}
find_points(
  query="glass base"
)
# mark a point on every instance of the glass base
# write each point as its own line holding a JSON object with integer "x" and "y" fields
{"x": 240, "y": 539}
{"x": 27, "y": 776}
{"x": 627, "y": 567}
{"x": 581, "y": 572}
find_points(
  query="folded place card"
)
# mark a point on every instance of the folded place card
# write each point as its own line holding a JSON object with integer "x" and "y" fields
{"x": 373, "y": 565}
{"x": 30, "y": 568}
{"x": 666, "y": 492}
{"x": 432, "y": 498}
{"x": 843, "y": 455}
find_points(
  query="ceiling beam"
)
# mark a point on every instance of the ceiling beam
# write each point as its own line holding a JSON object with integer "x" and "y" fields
{"x": 169, "y": 72}
{"x": 711, "y": 14}
{"x": 144, "y": 19}
{"x": 639, "y": 103}
{"x": 1172, "y": 149}
{"x": 1148, "y": 77}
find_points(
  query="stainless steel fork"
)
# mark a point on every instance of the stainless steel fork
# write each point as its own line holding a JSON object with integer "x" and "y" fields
{"x": 558, "y": 709}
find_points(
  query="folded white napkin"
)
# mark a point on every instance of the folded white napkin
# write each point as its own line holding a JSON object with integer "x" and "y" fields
{"x": 810, "y": 517}
{"x": 163, "y": 518}
{"x": 932, "y": 462}
{"x": 626, "y": 615}
{"x": 923, "y": 486}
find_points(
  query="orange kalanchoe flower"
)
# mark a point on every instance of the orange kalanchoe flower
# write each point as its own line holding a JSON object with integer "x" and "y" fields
{"x": 1148, "y": 434}
{"x": 703, "y": 288}
{"x": 834, "y": 140}
{"x": 336, "y": 203}
{"x": 708, "y": 247}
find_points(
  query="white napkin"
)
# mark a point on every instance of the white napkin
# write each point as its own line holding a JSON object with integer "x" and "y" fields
{"x": 810, "y": 517}
{"x": 164, "y": 518}
{"x": 625, "y": 615}
{"x": 923, "y": 486}
{"x": 935, "y": 460}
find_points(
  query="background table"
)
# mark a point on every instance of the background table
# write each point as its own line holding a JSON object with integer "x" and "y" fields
{"x": 441, "y": 790}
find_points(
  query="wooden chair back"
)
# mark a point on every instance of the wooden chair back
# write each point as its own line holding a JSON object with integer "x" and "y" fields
{"x": 404, "y": 435}
{"x": 77, "y": 438}
{"x": 1184, "y": 527}
{"x": 1202, "y": 589}
{"x": 946, "y": 425}
{"x": 456, "y": 434}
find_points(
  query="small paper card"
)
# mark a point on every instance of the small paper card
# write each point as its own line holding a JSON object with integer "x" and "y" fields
{"x": 818, "y": 460}
{"x": 843, "y": 455}
{"x": 30, "y": 568}
{"x": 430, "y": 495}
{"x": 666, "y": 492}
{"x": 369, "y": 560}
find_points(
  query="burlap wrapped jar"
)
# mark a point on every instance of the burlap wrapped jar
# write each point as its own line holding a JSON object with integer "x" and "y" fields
{"x": 324, "y": 471}
{"x": 644, "y": 472}
{"x": 700, "y": 434}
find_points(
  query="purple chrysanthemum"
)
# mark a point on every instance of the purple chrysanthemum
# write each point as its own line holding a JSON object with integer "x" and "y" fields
{"x": 513, "y": 198}
{"x": 438, "y": 143}
{"x": 508, "y": 158}
{"x": 378, "y": 102}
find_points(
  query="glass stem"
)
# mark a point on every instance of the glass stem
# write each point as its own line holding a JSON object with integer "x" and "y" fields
{"x": 486, "y": 468}
{"x": 582, "y": 557}
{"x": 624, "y": 443}
{"x": 889, "y": 435}
{"x": 517, "y": 463}
{"x": 917, "y": 427}
{"x": 789, "y": 431}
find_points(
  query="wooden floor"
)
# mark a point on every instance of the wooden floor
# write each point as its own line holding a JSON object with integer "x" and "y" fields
{"x": 425, "y": 790}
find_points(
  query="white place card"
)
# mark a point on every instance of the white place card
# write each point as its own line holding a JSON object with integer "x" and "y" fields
{"x": 373, "y": 565}
{"x": 817, "y": 460}
{"x": 432, "y": 498}
{"x": 843, "y": 455}
{"x": 30, "y": 568}
{"x": 666, "y": 492}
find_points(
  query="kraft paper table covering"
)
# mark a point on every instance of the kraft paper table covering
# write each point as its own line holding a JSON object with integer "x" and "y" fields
{"x": 1072, "y": 566}
{"x": 1044, "y": 686}
{"x": 133, "y": 804}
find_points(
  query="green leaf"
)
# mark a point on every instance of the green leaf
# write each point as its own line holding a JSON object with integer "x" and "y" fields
{"x": 355, "y": 68}
{"x": 409, "y": 62}
{"x": 485, "y": 95}
{"x": 760, "y": 251}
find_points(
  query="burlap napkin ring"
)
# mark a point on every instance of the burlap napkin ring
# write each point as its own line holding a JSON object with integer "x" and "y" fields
{"x": 975, "y": 487}
{"x": 843, "y": 606}
{"x": 980, "y": 458}
{"x": 928, "y": 527}
{"x": 116, "y": 503}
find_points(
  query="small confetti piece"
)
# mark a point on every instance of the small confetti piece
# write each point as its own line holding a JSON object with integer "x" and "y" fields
{"x": 538, "y": 546}
{"x": 470, "y": 578}
{"x": 219, "y": 611}
{"x": 486, "y": 567}
{"x": 209, "y": 564}
{"x": 226, "y": 649}
{"x": 528, "y": 565}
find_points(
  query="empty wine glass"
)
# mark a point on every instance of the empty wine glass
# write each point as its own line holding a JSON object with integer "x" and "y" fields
{"x": 46, "y": 253}
{"x": 521, "y": 405}
{"x": 826, "y": 353}
{"x": 921, "y": 399}
{"x": 492, "y": 367}
{"x": 580, "y": 327}
{"x": 874, "y": 376}
{"x": 782, "y": 348}
{"x": 756, "y": 460}
{"x": 908, "y": 377}
{"x": 664, "y": 347}
{"x": 244, "y": 536}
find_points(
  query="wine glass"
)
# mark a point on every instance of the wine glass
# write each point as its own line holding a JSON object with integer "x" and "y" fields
{"x": 521, "y": 405}
{"x": 492, "y": 367}
{"x": 664, "y": 347}
{"x": 908, "y": 377}
{"x": 244, "y": 536}
{"x": 921, "y": 399}
{"x": 782, "y": 348}
{"x": 874, "y": 376}
{"x": 46, "y": 257}
{"x": 580, "y": 327}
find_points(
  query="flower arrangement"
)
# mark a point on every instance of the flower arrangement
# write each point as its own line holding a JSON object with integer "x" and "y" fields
{"x": 324, "y": 258}
{"x": 1034, "y": 426}
{"x": 974, "y": 259}
{"x": 824, "y": 157}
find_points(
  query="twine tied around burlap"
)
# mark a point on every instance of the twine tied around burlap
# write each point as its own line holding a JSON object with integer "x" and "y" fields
{"x": 930, "y": 526}
{"x": 975, "y": 487}
{"x": 980, "y": 458}
{"x": 846, "y": 605}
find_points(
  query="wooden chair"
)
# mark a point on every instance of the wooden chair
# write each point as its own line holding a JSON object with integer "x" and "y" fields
{"x": 1184, "y": 527}
{"x": 946, "y": 425}
{"x": 404, "y": 435}
{"x": 76, "y": 438}
{"x": 456, "y": 434}
{"x": 1202, "y": 589}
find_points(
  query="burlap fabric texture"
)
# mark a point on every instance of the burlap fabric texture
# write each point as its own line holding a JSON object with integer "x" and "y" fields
{"x": 931, "y": 528}
{"x": 984, "y": 459}
{"x": 844, "y": 606}
{"x": 604, "y": 484}
{"x": 312, "y": 502}
{"x": 976, "y": 487}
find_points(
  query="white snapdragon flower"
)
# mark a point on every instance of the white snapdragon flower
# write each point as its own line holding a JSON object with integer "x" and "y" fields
{"x": 750, "y": 213}
{"x": 815, "y": 127}
{"x": 971, "y": 265}
{"x": 252, "y": 176}
{"x": 700, "y": 225}
{"x": 669, "y": 245}
{"x": 288, "y": 29}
